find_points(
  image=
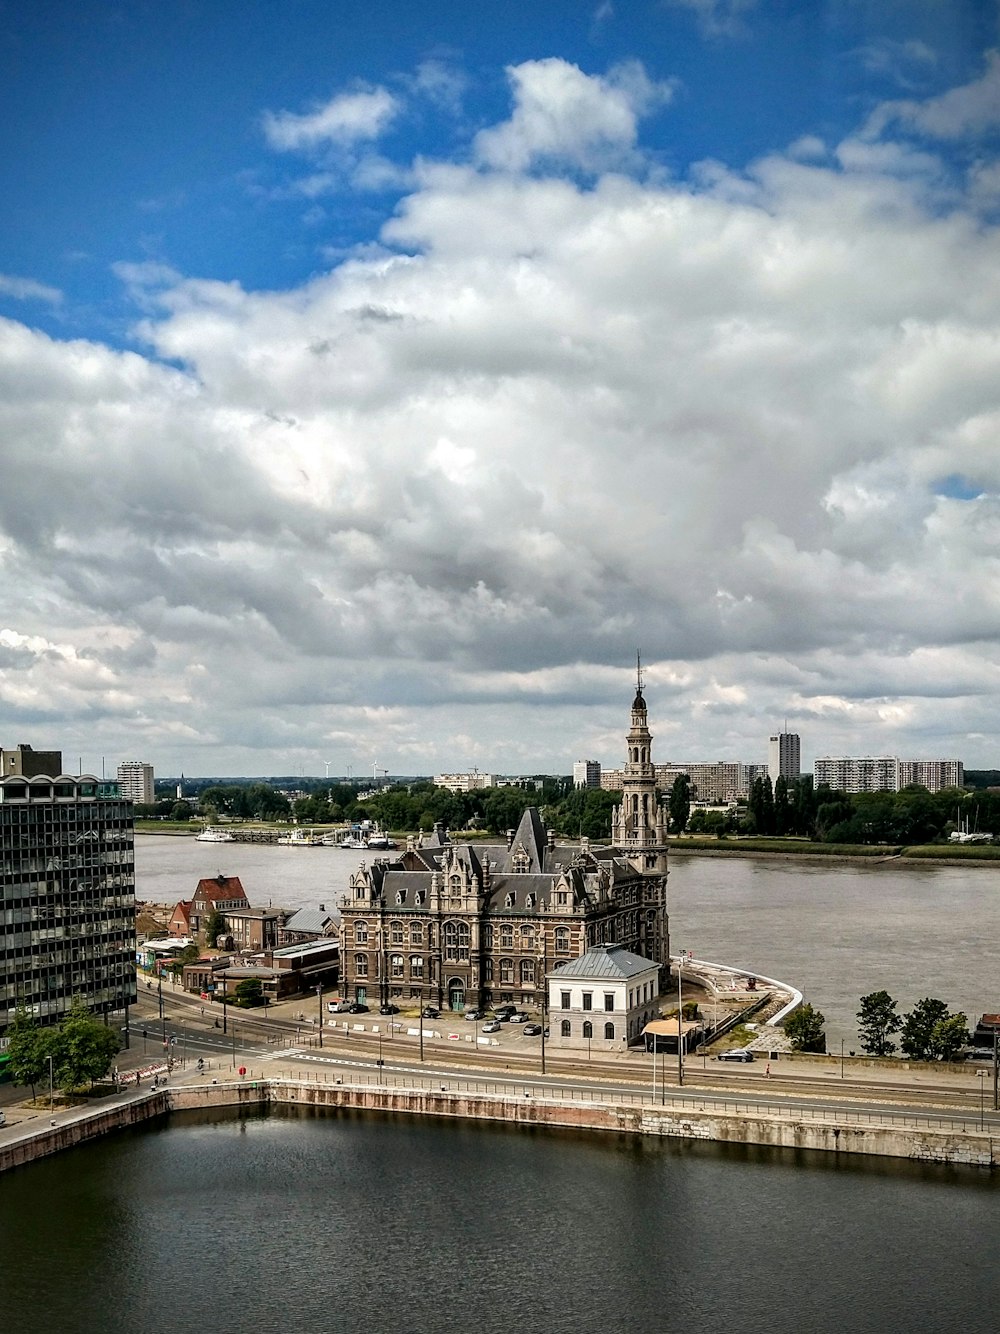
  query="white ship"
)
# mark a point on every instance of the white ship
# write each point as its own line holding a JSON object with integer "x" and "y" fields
{"x": 212, "y": 835}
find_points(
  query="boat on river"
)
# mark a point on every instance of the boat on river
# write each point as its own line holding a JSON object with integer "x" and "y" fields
{"x": 212, "y": 835}
{"x": 301, "y": 838}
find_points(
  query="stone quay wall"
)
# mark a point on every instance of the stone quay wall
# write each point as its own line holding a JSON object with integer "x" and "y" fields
{"x": 947, "y": 1142}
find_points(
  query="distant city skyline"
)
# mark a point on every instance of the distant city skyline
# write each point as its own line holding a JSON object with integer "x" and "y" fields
{"x": 374, "y": 383}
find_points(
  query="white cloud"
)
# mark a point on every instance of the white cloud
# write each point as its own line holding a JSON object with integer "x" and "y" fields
{"x": 972, "y": 108}
{"x": 719, "y": 18}
{"x": 446, "y": 494}
{"x": 26, "y": 289}
{"x": 562, "y": 115}
{"x": 346, "y": 119}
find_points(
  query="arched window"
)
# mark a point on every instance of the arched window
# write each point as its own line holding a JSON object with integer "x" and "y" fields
{"x": 506, "y": 936}
{"x": 396, "y": 965}
{"x": 609, "y": 1031}
{"x": 361, "y": 965}
{"x": 588, "y": 1029}
{"x": 361, "y": 933}
{"x": 487, "y": 970}
{"x": 565, "y": 1028}
{"x": 456, "y": 942}
{"x": 416, "y": 934}
{"x": 416, "y": 968}
{"x": 456, "y": 884}
{"x": 562, "y": 939}
{"x": 527, "y": 972}
{"x": 506, "y": 972}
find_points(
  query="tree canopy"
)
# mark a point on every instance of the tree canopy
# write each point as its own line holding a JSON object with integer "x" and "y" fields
{"x": 877, "y": 1023}
{"x": 804, "y": 1027}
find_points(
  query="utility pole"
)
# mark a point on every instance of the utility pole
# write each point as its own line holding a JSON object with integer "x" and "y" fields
{"x": 680, "y": 1036}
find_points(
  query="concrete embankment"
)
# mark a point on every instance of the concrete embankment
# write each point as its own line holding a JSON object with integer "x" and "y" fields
{"x": 938, "y": 1139}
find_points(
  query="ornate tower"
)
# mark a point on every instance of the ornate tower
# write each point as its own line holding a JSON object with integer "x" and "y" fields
{"x": 639, "y": 824}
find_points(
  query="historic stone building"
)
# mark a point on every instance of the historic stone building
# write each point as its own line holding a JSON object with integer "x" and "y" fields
{"x": 461, "y": 926}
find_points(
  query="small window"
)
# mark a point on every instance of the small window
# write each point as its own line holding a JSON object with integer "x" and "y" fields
{"x": 609, "y": 1032}
{"x": 588, "y": 1000}
{"x": 588, "y": 1029}
{"x": 565, "y": 1028}
{"x": 609, "y": 1001}
{"x": 564, "y": 1000}
{"x": 401, "y": 897}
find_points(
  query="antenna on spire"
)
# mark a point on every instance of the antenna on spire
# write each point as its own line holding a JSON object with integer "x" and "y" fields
{"x": 638, "y": 671}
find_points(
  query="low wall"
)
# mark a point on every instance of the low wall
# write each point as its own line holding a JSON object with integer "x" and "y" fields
{"x": 944, "y": 1143}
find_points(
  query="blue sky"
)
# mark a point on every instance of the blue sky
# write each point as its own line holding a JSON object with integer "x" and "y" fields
{"x": 425, "y": 361}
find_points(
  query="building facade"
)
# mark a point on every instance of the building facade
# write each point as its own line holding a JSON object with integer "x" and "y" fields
{"x": 587, "y": 773}
{"x": 470, "y": 782}
{"x": 135, "y": 782}
{"x": 784, "y": 756}
{"x": 886, "y": 773}
{"x": 603, "y": 1000}
{"x": 23, "y": 762}
{"x": 67, "y": 897}
{"x": 465, "y": 926}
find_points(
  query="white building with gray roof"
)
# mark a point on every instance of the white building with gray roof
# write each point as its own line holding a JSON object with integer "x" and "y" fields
{"x": 602, "y": 1000}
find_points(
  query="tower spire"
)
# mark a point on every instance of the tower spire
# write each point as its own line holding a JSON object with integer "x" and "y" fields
{"x": 638, "y": 671}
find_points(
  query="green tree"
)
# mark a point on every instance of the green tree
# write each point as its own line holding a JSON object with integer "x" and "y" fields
{"x": 213, "y": 926}
{"x": 250, "y": 992}
{"x": 948, "y": 1036}
{"x": 877, "y": 1022}
{"x": 916, "y": 1035}
{"x": 804, "y": 1027}
{"x": 83, "y": 1049}
{"x": 28, "y": 1049}
{"x": 680, "y": 803}
{"x": 783, "y": 813}
{"x": 180, "y": 810}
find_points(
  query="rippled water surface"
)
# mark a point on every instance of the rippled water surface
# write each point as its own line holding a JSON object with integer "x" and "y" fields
{"x": 303, "y": 1223}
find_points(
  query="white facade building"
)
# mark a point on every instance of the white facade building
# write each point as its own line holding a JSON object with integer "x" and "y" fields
{"x": 931, "y": 774}
{"x": 135, "y": 782}
{"x": 469, "y": 782}
{"x": 886, "y": 773}
{"x": 587, "y": 773}
{"x": 602, "y": 1000}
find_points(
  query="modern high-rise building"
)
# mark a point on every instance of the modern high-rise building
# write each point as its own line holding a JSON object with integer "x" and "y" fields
{"x": 587, "y": 773}
{"x": 67, "y": 896}
{"x": 135, "y": 781}
{"x": 783, "y": 756}
{"x": 931, "y": 774}
{"x": 856, "y": 773}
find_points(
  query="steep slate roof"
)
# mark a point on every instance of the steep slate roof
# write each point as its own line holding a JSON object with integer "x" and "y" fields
{"x": 530, "y": 835}
{"x": 221, "y": 889}
{"x": 309, "y": 920}
{"x": 604, "y": 961}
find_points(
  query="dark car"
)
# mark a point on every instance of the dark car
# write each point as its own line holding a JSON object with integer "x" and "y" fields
{"x": 502, "y": 1011}
{"x": 735, "y": 1054}
{"x": 429, "y": 1012}
{"x": 532, "y": 1030}
{"x": 474, "y": 1014}
{"x": 388, "y": 1009}
{"x": 357, "y": 1007}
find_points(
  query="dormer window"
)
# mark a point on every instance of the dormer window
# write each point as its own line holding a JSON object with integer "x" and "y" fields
{"x": 421, "y": 896}
{"x": 530, "y": 901}
{"x": 401, "y": 897}
{"x": 509, "y": 901}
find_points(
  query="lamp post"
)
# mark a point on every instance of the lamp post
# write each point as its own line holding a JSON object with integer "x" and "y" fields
{"x": 680, "y": 1036}
{"x": 982, "y": 1097}
{"x": 50, "y": 1083}
{"x": 319, "y": 997}
{"x": 545, "y": 998}
{"x": 842, "y": 1058}
{"x": 225, "y": 1029}
{"x": 159, "y": 996}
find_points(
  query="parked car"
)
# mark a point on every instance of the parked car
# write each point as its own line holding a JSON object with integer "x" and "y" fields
{"x": 735, "y": 1054}
{"x": 388, "y": 1009}
{"x": 357, "y": 1007}
{"x": 532, "y": 1030}
{"x": 338, "y": 1007}
{"x": 429, "y": 1012}
{"x": 492, "y": 1027}
{"x": 980, "y": 1054}
{"x": 519, "y": 1017}
{"x": 475, "y": 1014}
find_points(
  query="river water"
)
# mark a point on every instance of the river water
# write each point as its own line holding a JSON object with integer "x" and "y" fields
{"x": 317, "y": 1224}
{"x": 836, "y": 931}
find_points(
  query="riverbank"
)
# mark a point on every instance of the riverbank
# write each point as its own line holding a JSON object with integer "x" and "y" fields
{"x": 916, "y": 1136}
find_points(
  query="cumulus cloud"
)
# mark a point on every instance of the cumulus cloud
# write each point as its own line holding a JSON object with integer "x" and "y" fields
{"x": 972, "y": 109}
{"x": 346, "y": 119}
{"x": 562, "y": 115}
{"x": 444, "y": 489}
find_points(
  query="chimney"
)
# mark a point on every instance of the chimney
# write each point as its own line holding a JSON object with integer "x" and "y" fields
{"x": 552, "y": 840}
{"x": 510, "y": 838}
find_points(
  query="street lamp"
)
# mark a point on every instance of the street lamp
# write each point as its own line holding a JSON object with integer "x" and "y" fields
{"x": 319, "y": 997}
{"x": 982, "y": 1097}
{"x": 50, "y": 1083}
{"x": 159, "y": 995}
{"x": 842, "y": 1058}
{"x": 545, "y": 997}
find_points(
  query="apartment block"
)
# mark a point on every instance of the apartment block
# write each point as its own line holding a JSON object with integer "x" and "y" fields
{"x": 135, "y": 782}
{"x": 783, "y": 756}
{"x": 587, "y": 773}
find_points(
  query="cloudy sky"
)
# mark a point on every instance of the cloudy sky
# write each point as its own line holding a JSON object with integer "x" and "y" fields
{"x": 376, "y": 378}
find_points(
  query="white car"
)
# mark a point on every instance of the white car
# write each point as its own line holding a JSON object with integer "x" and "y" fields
{"x": 494, "y": 1026}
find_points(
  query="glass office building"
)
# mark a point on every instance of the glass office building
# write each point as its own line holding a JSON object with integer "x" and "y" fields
{"x": 67, "y": 896}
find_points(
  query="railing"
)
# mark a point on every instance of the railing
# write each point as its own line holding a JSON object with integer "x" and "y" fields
{"x": 674, "y": 1103}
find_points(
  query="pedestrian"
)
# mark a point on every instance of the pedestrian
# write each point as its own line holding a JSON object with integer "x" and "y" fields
{"x": 767, "y": 1070}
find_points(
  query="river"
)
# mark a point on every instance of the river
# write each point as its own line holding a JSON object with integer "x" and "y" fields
{"x": 316, "y": 1224}
{"x": 835, "y": 930}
